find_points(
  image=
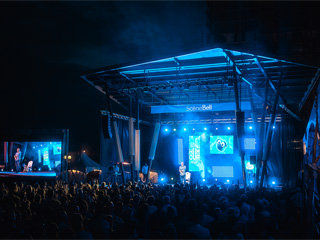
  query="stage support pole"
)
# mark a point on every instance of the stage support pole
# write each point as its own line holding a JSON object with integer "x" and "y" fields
{"x": 131, "y": 142}
{"x": 256, "y": 127}
{"x": 137, "y": 148}
{"x": 5, "y": 154}
{"x": 262, "y": 132}
{"x": 10, "y": 155}
{"x": 64, "y": 166}
{"x": 239, "y": 131}
{"x": 254, "y": 115}
{"x": 115, "y": 128}
{"x": 153, "y": 146}
{"x": 266, "y": 152}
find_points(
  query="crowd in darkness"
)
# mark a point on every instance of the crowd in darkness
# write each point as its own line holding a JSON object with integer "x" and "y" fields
{"x": 136, "y": 210}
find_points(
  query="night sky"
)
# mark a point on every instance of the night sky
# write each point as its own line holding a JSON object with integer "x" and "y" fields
{"x": 46, "y": 45}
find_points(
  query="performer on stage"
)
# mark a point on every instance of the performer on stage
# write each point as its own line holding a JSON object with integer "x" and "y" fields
{"x": 17, "y": 157}
{"x": 145, "y": 172}
{"x": 182, "y": 170}
{"x": 116, "y": 171}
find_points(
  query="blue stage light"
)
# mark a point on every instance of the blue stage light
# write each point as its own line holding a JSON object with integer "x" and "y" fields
{"x": 216, "y": 179}
{"x": 34, "y": 147}
{"x": 193, "y": 129}
{"x": 229, "y": 128}
{"x": 251, "y": 181}
{"x": 166, "y": 129}
{"x": 228, "y": 180}
{"x": 174, "y": 129}
{"x": 205, "y": 129}
{"x": 216, "y": 128}
{"x": 250, "y": 127}
{"x": 273, "y": 182}
{"x": 162, "y": 179}
{"x": 172, "y": 178}
{"x": 203, "y": 179}
{"x": 184, "y": 129}
{"x": 274, "y": 127}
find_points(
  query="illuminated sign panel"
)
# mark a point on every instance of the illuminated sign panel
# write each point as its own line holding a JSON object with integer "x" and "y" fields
{"x": 209, "y": 107}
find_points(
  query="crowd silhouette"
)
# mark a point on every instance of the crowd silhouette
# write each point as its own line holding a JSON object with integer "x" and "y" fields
{"x": 60, "y": 210}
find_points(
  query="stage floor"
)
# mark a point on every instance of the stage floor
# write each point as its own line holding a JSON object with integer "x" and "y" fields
{"x": 27, "y": 176}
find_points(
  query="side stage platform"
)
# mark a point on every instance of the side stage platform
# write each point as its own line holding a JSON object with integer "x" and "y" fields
{"x": 27, "y": 177}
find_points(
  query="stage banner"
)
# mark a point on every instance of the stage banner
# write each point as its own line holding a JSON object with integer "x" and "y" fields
{"x": 209, "y": 107}
{"x": 46, "y": 160}
{"x": 195, "y": 161}
{"x": 137, "y": 150}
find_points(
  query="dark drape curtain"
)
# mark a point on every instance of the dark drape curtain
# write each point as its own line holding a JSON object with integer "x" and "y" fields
{"x": 286, "y": 152}
{"x": 108, "y": 148}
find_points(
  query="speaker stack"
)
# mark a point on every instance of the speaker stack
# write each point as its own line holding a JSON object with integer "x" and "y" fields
{"x": 106, "y": 126}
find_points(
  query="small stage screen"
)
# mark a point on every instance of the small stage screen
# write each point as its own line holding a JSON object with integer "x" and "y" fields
{"x": 221, "y": 144}
{"x": 45, "y": 156}
{"x": 222, "y": 171}
{"x": 250, "y": 143}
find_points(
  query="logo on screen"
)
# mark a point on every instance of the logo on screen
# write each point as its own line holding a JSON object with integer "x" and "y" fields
{"x": 221, "y": 144}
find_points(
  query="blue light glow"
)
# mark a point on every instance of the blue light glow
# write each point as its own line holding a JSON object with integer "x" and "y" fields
{"x": 166, "y": 129}
{"x": 204, "y": 180}
{"x": 273, "y": 127}
{"x": 174, "y": 129}
{"x": 228, "y": 180}
{"x": 184, "y": 129}
{"x": 250, "y": 127}
{"x": 251, "y": 181}
{"x": 205, "y": 129}
{"x": 273, "y": 182}
{"x": 216, "y": 128}
{"x": 229, "y": 128}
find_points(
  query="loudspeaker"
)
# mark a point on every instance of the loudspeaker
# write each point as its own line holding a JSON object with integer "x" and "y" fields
{"x": 253, "y": 160}
{"x": 240, "y": 123}
{"x": 106, "y": 126}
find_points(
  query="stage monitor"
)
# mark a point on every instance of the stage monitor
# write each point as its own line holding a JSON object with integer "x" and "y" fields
{"x": 43, "y": 154}
{"x": 249, "y": 143}
{"x": 221, "y": 144}
{"x": 222, "y": 171}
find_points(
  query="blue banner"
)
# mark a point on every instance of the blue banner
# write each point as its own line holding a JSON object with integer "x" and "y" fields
{"x": 209, "y": 107}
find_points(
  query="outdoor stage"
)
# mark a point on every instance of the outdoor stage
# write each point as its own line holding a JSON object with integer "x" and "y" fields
{"x": 28, "y": 177}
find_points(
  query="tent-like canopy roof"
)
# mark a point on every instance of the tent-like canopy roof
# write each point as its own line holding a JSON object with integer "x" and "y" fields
{"x": 208, "y": 77}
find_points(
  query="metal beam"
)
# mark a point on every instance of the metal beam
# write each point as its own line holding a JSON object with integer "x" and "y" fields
{"x": 282, "y": 105}
{"x": 149, "y": 91}
{"x": 313, "y": 83}
{"x": 266, "y": 151}
{"x": 230, "y": 57}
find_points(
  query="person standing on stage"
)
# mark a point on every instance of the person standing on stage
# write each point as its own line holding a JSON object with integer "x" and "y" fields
{"x": 17, "y": 157}
{"x": 182, "y": 170}
{"x": 116, "y": 171}
{"x": 145, "y": 172}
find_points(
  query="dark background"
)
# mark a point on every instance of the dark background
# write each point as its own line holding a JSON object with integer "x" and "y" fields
{"x": 45, "y": 46}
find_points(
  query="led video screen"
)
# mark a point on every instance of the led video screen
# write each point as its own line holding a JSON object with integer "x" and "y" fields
{"x": 250, "y": 143}
{"x": 221, "y": 144}
{"x": 222, "y": 171}
{"x": 41, "y": 154}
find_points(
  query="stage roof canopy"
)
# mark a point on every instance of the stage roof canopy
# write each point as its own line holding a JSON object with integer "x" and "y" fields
{"x": 205, "y": 77}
